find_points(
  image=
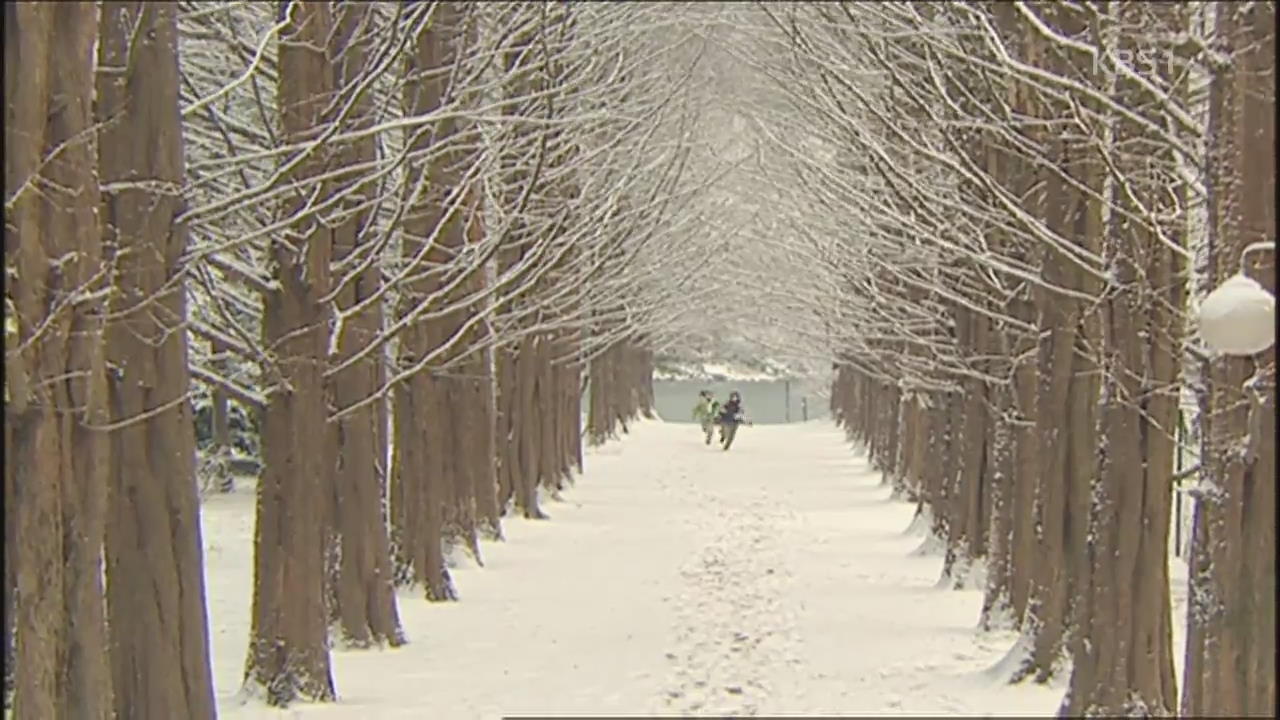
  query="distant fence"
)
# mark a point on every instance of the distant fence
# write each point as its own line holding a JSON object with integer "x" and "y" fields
{"x": 766, "y": 402}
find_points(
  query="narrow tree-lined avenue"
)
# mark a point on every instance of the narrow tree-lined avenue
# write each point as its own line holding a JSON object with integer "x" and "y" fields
{"x": 391, "y": 286}
{"x": 741, "y": 602}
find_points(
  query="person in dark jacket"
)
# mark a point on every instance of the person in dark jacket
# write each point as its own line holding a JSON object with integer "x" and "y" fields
{"x": 731, "y": 416}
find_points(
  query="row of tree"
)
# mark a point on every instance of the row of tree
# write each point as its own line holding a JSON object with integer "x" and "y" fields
{"x": 405, "y": 239}
{"x": 997, "y": 217}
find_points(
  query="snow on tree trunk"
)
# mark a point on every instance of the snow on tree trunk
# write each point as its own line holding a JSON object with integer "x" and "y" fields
{"x": 1230, "y": 661}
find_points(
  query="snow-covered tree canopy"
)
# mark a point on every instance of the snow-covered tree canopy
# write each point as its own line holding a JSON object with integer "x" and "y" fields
{"x": 812, "y": 182}
{"x": 871, "y": 194}
{"x": 574, "y": 126}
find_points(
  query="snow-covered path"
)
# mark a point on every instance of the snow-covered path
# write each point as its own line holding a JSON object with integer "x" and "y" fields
{"x": 676, "y": 579}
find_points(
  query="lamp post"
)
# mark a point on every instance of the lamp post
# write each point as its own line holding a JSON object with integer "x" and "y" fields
{"x": 1239, "y": 317}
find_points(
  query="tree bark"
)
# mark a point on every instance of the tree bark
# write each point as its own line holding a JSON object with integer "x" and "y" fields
{"x": 220, "y": 408}
{"x": 1230, "y": 661}
{"x": 1132, "y": 670}
{"x": 484, "y": 446}
{"x": 57, "y": 384}
{"x": 526, "y": 426}
{"x": 966, "y": 543}
{"x": 1068, "y": 388}
{"x": 598, "y": 414}
{"x": 365, "y": 605}
{"x": 425, "y": 443}
{"x": 289, "y": 645}
{"x": 155, "y": 568}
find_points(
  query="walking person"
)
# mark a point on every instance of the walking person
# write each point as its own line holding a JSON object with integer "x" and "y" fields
{"x": 705, "y": 413}
{"x": 731, "y": 416}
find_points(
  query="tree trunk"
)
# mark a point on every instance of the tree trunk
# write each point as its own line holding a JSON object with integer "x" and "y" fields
{"x": 549, "y": 476}
{"x": 289, "y": 645}
{"x": 577, "y": 425}
{"x": 424, "y": 439}
{"x": 598, "y": 415}
{"x": 1230, "y": 665}
{"x": 1026, "y": 450}
{"x": 10, "y": 546}
{"x": 365, "y": 602}
{"x": 418, "y": 522}
{"x": 221, "y": 421}
{"x": 527, "y": 427}
{"x": 57, "y": 385}
{"x": 507, "y": 449}
{"x": 1132, "y": 670}
{"x": 997, "y": 604}
{"x": 934, "y": 494}
{"x": 155, "y": 568}
{"x": 1068, "y": 388}
{"x": 484, "y": 445}
{"x": 966, "y": 542}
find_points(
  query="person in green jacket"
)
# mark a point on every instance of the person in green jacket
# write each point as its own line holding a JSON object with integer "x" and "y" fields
{"x": 705, "y": 413}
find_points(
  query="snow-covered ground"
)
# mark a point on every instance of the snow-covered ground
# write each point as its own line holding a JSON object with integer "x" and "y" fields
{"x": 676, "y": 579}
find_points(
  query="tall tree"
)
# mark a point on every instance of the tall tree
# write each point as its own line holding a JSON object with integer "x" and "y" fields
{"x": 433, "y": 218}
{"x": 56, "y": 378}
{"x": 1231, "y": 614}
{"x": 482, "y": 450}
{"x": 289, "y": 645}
{"x": 442, "y": 222}
{"x": 364, "y": 602}
{"x": 517, "y": 359}
{"x": 1126, "y": 584}
{"x": 155, "y": 570}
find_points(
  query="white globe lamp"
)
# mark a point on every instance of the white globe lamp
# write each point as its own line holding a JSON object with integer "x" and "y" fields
{"x": 1239, "y": 317}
